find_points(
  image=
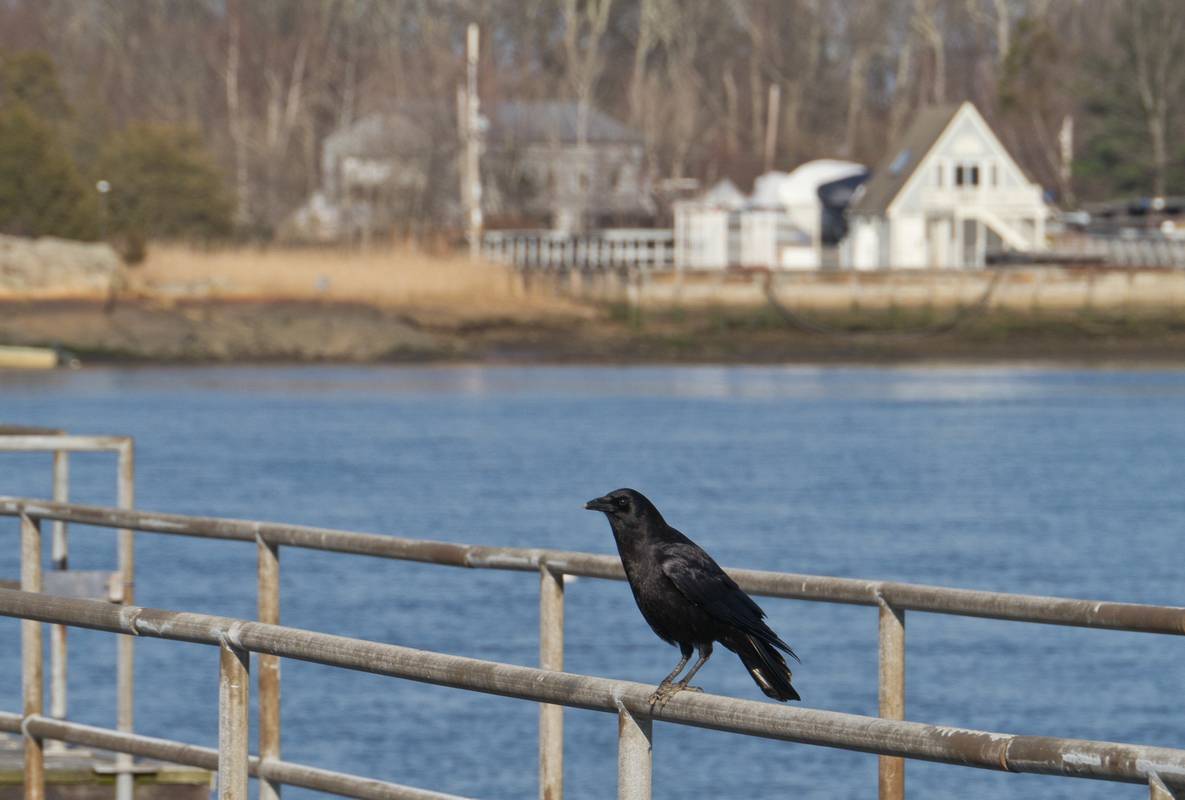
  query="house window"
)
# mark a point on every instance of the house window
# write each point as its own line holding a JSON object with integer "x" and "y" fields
{"x": 966, "y": 175}
{"x": 994, "y": 171}
{"x": 938, "y": 175}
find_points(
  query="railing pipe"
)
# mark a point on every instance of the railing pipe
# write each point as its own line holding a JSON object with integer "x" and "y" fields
{"x": 126, "y": 647}
{"x": 903, "y": 596}
{"x": 551, "y": 656}
{"x": 269, "y": 665}
{"x": 634, "y": 755}
{"x": 891, "y": 682}
{"x": 986, "y": 750}
{"x": 53, "y": 443}
{"x": 322, "y": 780}
{"x": 234, "y": 687}
{"x": 31, "y": 659}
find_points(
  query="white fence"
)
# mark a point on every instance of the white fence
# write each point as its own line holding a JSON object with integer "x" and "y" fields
{"x": 604, "y": 250}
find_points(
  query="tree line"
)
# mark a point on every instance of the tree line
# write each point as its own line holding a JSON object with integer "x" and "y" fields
{"x": 247, "y": 90}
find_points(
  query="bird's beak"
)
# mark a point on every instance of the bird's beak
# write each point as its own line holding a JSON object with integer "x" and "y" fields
{"x": 603, "y": 504}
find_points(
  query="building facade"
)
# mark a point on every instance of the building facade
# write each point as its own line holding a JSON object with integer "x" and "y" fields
{"x": 948, "y": 196}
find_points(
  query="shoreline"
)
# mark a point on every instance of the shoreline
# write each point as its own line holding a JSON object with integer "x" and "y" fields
{"x": 289, "y": 332}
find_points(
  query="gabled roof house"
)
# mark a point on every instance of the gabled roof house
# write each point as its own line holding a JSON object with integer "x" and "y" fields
{"x": 947, "y": 196}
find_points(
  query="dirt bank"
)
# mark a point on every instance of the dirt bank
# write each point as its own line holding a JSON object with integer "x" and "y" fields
{"x": 304, "y": 331}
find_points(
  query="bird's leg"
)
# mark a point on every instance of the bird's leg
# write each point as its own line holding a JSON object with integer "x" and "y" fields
{"x": 664, "y": 687}
{"x": 705, "y": 652}
{"x": 666, "y": 690}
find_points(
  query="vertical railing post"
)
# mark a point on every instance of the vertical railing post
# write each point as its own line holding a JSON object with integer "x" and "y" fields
{"x": 234, "y": 691}
{"x": 634, "y": 750}
{"x": 551, "y": 656}
{"x": 31, "y": 659}
{"x": 60, "y": 560}
{"x": 125, "y": 661}
{"x": 269, "y": 665}
{"x": 892, "y": 694}
{"x": 1159, "y": 790}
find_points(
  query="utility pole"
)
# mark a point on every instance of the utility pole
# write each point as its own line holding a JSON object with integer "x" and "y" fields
{"x": 771, "y": 125}
{"x": 472, "y": 130}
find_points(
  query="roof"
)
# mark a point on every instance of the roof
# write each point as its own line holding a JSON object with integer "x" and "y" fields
{"x": 724, "y": 194}
{"x": 801, "y": 186}
{"x": 554, "y": 121}
{"x": 414, "y": 127}
{"x": 891, "y": 175}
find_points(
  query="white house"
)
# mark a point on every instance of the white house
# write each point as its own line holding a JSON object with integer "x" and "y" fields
{"x": 948, "y": 195}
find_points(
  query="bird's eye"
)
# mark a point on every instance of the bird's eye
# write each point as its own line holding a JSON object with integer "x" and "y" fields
{"x": 622, "y": 502}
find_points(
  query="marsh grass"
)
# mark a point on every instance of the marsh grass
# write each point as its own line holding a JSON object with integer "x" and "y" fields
{"x": 391, "y": 277}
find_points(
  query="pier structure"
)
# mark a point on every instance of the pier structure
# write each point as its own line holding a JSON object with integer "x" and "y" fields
{"x": 1160, "y": 769}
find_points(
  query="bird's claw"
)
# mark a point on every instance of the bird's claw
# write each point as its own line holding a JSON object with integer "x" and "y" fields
{"x": 666, "y": 691}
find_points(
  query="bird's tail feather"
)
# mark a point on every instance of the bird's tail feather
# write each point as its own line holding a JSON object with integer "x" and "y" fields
{"x": 767, "y": 667}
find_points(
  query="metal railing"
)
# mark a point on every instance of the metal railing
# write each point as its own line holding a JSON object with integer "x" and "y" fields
{"x": 1156, "y": 767}
{"x": 891, "y": 598}
{"x": 18, "y": 439}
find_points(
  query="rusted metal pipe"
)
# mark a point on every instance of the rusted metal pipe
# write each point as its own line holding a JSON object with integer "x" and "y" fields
{"x": 891, "y": 683}
{"x": 269, "y": 666}
{"x": 174, "y": 752}
{"x": 60, "y": 560}
{"x": 234, "y": 689}
{"x": 31, "y": 659}
{"x": 904, "y": 596}
{"x": 986, "y": 750}
{"x": 634, "y": 755}
{"x": 126, "y": 648}
{"x": 551, "y": 656}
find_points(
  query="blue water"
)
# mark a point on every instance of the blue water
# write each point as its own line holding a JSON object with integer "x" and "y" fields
{"x": 1048, "y": 481}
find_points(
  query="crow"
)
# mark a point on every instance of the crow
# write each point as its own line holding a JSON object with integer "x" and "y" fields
{"x": 688, "y": 600}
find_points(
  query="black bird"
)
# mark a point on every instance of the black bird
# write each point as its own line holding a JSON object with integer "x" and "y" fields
{"x": 688, "y": 600}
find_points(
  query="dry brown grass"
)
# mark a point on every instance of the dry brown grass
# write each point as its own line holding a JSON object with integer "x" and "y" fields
{"x": 395, "y": 277}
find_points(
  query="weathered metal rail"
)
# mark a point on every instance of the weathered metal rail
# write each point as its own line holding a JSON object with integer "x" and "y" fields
{"x": 15, "y": 438}
{"x": 1109, "y": 761}
{"x": 892, "y": 599}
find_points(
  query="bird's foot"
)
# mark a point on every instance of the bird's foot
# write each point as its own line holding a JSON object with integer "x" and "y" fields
{"x": 662, "y": 694}
{"x": 666, "y": 691}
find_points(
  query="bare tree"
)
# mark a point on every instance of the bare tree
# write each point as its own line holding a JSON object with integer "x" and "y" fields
{"x": 584, "y": 28}
{"x": 1153, "y": 35}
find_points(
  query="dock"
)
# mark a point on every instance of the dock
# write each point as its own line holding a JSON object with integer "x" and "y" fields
{"x": 80, "y": 773}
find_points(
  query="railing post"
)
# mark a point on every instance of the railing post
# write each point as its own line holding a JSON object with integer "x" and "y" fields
{"x": 126, "y": 654}
{"x": 61, "y": 561}
{"x": 892, "y": 694}
{"x": 633, "y": 755}
{"x": 234, "y": 687}
{"x": 31, "y": 659}
{"x": 269, "y": 665}
{"x": 1159, "y": 790}
{"x": 551, "y": 656}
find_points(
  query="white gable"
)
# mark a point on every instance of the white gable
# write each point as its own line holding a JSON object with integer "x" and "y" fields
{"x": 967, "y": 143}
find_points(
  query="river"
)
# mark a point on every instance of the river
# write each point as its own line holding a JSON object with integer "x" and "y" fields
{"x": 1021, "y": 479}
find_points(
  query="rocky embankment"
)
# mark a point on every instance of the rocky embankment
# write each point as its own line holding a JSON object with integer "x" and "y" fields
{"x": 57, "y": 265}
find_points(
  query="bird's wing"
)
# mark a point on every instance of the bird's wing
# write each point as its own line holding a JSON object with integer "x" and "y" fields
{"x": 701, "y": 580}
